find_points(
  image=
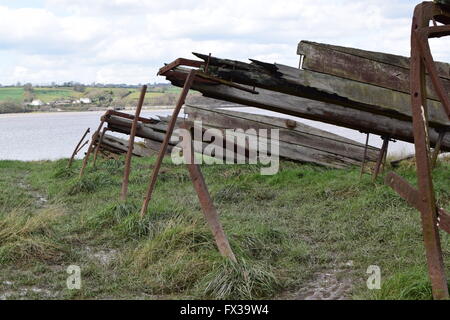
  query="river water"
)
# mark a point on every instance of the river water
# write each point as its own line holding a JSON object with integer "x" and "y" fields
{"x": 50, "y": 136}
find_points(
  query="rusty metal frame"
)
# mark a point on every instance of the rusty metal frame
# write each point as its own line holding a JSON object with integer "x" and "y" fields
{"x": 424, "y": 198}
{"x": 201, "y": 72}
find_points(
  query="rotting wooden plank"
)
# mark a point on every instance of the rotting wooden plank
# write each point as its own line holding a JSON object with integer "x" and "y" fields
{"x": 297, "y": 133}
{"x": 120, "y": 146}
{"x": 143, "y": 130}
{"x": 314, "y": 110}
{"x": 154, "y": 134}
{"x": 273, "y": 121}
{"x": 330, "y": 60}
{"x": 325, "y": 88}
{"x": 386, "y": 58}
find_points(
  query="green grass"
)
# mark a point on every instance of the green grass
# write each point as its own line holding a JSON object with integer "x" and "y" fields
{"x": 283, "y": 229}
{"x": 54, "y": 94}
{"x": 14, "y": 94}
{"x": 120, "y": 96}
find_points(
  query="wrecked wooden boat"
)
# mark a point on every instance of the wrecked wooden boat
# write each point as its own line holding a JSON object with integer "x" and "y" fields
{"x": 297, "y": 141}
{"x": 335, "y": 85}
{"x": 119, "y": 146}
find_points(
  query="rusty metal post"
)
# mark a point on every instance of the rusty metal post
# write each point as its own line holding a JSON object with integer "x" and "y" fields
{"x": 90, "y": 148}
{"x": 97, "y": 148}
{"x": 381, "y": 157}
{"x": 437, "y": 148}
{"x": 385, "y": 157}
{"x": 126, "y": 173}
{"x": 365, "y": 156}
{"x": 77, "y": 148}
{"x": 165, "y": 143}
{"x": 210, "y": 211}
{"x": 428, "y": 210}
{"x": 208, "y": 208}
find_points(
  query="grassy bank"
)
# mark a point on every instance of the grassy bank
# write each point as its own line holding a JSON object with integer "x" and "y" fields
{"x": 288, "y": 232}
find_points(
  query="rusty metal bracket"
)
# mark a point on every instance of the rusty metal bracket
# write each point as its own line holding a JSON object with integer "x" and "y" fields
{"x": 412, "y": 197}
{"x": 91, "y": 147}
{"x": 78, "y": 148}
{"x": 424, "y": 199}
{"x": 99, "y": 143}
{"x": 171, "y": 67}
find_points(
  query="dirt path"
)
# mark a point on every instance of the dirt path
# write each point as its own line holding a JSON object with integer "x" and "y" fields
{"x": 332, "y": 284}
{"x": 40, "y": 199}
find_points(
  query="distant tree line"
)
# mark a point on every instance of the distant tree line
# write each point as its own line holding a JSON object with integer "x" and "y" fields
{"x": 79, "y": 86}
{"x": 10, "y": 106}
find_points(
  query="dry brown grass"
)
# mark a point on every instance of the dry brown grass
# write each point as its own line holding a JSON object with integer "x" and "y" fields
{"x": 29, "y": 236}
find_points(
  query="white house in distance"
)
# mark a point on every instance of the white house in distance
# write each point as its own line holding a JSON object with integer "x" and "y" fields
{"x": 36, "y": 103}
{"x": 82, "y": 101}
{"x": 85, "y": 100}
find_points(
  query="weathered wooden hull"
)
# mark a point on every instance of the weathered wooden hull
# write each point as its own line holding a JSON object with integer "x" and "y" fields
{"x": 118, "y": 146}
{"x": 314, "y": 110}
{"x": 297, "y": 141}
{"x": 336, "y": 92}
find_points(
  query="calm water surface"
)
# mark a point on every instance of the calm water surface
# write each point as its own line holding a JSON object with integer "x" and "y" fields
{"x": 50, "y": 136}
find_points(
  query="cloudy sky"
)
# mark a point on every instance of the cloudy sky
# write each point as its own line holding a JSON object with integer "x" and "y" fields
{"x": 126, "y": 41}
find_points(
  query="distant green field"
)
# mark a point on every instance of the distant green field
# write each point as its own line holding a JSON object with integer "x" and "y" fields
{"x": 52, "y": 94}
{"x": 159, "y": 95}
{"x": 15, "y": 94}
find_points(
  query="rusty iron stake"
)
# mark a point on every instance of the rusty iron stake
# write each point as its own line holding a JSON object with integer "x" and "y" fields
{"x": 208, "y": 208}
{"x": 99, "y": 143}
{"x": 422, "y": 16}
{"x": 91, "y": 147}
{"x": 187, "y": 85}
{"x": 77, "y": 148}
{"x": 210, "y": 211}
{"x": 365, "y": 155}
{"x": 437, "y": 149}
{"x": 126, "y": 173}
{"x": 381, "y": 157}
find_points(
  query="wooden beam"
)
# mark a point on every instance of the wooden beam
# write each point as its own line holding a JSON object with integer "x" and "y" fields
{"x": 314, "y": 110}
{"x": 290, "y": 132}
{"x": 121, "y": 146}
{"x": 388, "y": 71}
{"x": 324, "y": 87}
